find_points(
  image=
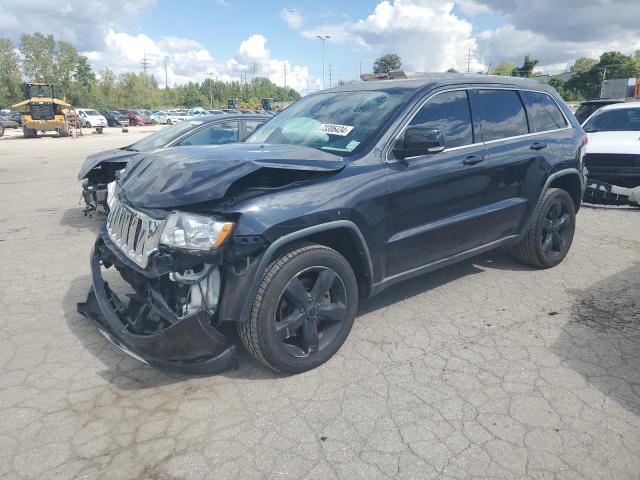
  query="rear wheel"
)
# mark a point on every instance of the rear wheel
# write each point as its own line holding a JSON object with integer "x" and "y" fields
{"x": 28, "y": 132}
{"x": 1, "y": 130}
{"x": 63, "y": 131}
{"x": 169, "y": 122}
{"x": 551, "y": 233}
{"x": 303, "y": 310}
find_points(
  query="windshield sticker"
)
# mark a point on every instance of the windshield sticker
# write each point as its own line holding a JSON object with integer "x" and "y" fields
{"x": 332, "y": 129}
{"x": 352, "y": 144}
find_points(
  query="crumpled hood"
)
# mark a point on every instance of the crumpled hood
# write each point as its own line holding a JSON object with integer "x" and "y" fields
{"x": 179, "y": 176}
{"x": 92, "y": 161}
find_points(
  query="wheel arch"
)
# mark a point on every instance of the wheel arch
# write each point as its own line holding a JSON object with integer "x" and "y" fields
{"x": 571, "y": 183}
{"x": 343, "y": 236}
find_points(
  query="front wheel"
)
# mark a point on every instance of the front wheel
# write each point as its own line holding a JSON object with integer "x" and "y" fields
{"x": 303, "y": 310}
{"x": 551, "y": 232}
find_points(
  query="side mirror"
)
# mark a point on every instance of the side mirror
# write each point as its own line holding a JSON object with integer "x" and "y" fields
{"x": 418, "y": 140}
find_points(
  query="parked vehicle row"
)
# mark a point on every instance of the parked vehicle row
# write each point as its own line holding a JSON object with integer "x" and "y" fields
{"x": 99, "y": 170}
{"x": 344, "y": 193}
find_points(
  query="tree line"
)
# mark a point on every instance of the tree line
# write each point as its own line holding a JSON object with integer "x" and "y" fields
{"x": 42, "y": 58}
{"x": 585, "y": 82}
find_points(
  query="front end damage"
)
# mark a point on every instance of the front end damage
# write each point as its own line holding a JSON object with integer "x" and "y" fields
{"x": 171, "y": 317}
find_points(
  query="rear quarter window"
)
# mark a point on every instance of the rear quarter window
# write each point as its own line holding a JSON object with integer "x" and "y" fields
{"x": 501, "y": 114}
{"x": 544, "y": 114}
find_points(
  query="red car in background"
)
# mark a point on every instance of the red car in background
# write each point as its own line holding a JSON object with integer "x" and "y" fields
{"x": 136, "y": 117}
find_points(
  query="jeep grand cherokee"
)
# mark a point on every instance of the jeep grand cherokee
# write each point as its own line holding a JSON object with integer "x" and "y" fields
{"x": 344, "y": 193}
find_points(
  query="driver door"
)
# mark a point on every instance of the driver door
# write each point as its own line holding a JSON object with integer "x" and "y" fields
{"x": 436, "y": 202}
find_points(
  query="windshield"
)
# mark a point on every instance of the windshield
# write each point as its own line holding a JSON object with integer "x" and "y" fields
{"x": 92, "y": 113}
{"x": 163, "y": 137}
{"x": 339, "y": 122}
{"x": 619, "y": 120}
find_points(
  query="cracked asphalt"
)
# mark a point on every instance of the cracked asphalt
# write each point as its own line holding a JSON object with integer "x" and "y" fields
{"x": 487, "y": 369}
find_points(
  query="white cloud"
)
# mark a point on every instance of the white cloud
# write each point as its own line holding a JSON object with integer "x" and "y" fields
{"x": 425, "y": 33}
{"x": 188, "y": 60}
{"x": 293, "y": 18}
{"x": 78, "y": 22}
{"x": 510, "y": 43}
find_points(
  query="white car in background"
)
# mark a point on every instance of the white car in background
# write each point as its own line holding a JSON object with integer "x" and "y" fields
{"x": 613, "y": 151}
{"x": 91, "y": 118}
{"x": 166, "y": 118}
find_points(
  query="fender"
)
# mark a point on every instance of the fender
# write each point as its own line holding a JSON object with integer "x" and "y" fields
{"x": 552, "y": 177}
{"x": 290, "y": 238}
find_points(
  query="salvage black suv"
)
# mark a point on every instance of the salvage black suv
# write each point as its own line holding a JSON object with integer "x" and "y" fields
{"x": 341, "y": 195}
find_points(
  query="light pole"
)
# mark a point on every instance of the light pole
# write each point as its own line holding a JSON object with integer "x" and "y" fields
{"x": 323, "y": 38}
{"x": 210, "y": 92}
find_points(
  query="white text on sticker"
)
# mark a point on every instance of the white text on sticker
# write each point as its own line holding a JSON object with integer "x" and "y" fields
{"x": 332, "y": 129}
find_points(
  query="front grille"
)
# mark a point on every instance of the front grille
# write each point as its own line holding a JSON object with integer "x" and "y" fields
{"x": 135, "y": 233}
{"x": 41, "y": 110}
{"x": 612, "y": 160}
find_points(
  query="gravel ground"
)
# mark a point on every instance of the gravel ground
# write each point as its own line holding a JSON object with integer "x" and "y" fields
{"x": 487, "y": 369}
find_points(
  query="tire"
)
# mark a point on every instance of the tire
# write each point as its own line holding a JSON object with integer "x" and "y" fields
{"x": 1, "y": 130}
{"x": 169, "y": 122}
{"x": 63, "y": 131}
{"x": 279, "y": 326}
{"x": 87, "y": 125}
{"x": 550, "y": 235}
{"x": 28, "y": 132}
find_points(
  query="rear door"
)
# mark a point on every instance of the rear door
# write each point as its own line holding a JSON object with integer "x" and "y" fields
{"x": 436, "y": 201}
{"x": 518, "y": 161}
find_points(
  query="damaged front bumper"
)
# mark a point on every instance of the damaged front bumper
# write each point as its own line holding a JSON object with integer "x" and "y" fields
{"x": 188, "y": 343}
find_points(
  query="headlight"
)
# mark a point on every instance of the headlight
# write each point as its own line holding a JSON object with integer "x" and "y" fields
{"x": 194, "y": 232}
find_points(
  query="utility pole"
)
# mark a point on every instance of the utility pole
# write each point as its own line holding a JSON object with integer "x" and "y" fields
{"x": 323, "y": 38}
{"x": 254, "y": 70}
{"x": 145, "y": 63}
{"x": 469, "y": 60}
{"x": 284, "y": 67}
{"x": 329, "y": 73}
{"x": 166, "y": 81}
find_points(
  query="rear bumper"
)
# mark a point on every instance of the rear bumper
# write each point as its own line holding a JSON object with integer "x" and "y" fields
{"x": 190, "y": 345}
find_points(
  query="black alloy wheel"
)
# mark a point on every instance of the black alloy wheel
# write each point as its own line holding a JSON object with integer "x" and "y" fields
{"x": 550, "y": 235}
{"x": 556, "y": 231}
{"x": 310, "y": 311}
{"x": 303, "y": 311}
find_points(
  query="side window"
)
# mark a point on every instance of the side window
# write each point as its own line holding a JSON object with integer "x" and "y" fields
{"x": 501, "y": 114}
{"x": 448, "y": 112}
{"x": 215, "y": 134}
{"x": 251, "y": 126}
{"x": 543, "y": 112}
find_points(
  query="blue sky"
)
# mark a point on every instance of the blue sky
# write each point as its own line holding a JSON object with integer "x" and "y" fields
{"x": 223, "y": 38}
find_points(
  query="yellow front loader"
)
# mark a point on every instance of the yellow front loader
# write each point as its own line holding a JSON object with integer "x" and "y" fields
{"x": 42, "y": 112}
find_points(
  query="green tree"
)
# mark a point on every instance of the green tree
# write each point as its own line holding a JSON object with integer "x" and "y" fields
{"x": 503, "y": 68}
{"x": 610, "y": 65}
{"x": 583, "y": 64}
{"x": 387, "y": 63}
{"x": 84, "y": 81}
{"x": 10, "y": 92}
{"x": 526, "y": 70}
{"x": 38, "y": 52}
{"x": 452, "y": 70}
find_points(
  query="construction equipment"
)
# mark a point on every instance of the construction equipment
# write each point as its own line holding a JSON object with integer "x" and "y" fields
{"x": 42, "y": 111}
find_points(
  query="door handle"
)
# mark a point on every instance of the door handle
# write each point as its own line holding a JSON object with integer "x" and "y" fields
{"x": 473, "y": 159}
{"x": 538, "y": 146}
